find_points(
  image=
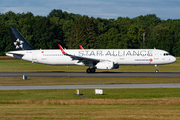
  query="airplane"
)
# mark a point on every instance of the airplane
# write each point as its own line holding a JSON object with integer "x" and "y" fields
{"x": 105, "y": 59}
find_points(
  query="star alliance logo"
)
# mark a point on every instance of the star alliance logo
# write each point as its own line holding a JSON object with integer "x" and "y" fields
{"x": 19, "y": 44}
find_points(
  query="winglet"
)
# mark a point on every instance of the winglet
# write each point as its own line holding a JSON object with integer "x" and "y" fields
{"x": 62, "y": 50}
{"x": 81, "y": 47}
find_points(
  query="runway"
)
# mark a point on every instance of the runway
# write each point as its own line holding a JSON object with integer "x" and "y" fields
{"x": 111, "y": 86}
{"x": 84, "y": 74}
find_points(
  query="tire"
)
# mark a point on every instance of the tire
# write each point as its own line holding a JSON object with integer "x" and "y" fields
{"x": 88, "y": 70}
{"x": 93, "y": 70}
{"x": 156, "y": 71}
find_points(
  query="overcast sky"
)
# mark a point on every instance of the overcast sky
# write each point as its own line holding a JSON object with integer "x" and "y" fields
{"x": 164, "y": 9}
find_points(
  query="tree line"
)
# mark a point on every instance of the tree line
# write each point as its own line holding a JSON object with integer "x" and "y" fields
{"x": 70, "y": 30}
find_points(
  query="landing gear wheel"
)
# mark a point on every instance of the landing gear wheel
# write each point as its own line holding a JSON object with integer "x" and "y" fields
{"x": 93, "y": 70}
{"x": 156, "y": 71}
{"x": 88, "y": 70}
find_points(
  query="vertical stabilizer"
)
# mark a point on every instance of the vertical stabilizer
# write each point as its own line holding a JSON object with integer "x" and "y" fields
{"x": 18, "y": 41}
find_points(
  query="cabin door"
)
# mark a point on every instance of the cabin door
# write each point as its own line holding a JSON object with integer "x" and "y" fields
{"x": 34, "y": 56}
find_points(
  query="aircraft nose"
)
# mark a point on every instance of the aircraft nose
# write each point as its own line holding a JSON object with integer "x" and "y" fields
{"x": 173, "y": 59}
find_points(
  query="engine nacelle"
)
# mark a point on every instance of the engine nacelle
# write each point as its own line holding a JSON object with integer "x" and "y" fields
{"x": 79, "y": 63}
{"x": 106, "y": 65}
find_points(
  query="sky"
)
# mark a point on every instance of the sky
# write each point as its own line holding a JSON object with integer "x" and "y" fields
{"x": 109, "y": 9}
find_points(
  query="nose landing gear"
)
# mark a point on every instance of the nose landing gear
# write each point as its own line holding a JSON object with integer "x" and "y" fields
{"x": 156, "y": 71}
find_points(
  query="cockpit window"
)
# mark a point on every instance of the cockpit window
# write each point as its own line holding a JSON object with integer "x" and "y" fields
{"x": 166, "y": 54}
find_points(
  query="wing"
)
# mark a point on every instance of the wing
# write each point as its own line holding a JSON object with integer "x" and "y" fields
{"x": 85, "y": 60}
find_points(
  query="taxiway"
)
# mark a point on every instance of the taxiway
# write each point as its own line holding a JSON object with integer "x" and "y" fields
{"x": 84, "y": 74}
{"x": 110, "y": 86}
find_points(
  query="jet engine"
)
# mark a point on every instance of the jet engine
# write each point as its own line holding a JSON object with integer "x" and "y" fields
{"x": 106, "y": 65}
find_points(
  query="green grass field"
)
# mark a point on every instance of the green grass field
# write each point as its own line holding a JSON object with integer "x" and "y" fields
{"x": 89, "y": 112}
{"x": 68, "y": 94}
{"x": 130, "y": 104}
{"x": 126, "y": 104}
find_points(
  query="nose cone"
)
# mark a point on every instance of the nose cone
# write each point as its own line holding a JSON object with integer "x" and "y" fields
{"x": 173, "y": 59}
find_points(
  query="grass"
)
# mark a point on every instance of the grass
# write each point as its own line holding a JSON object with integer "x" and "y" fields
{"x": 115, "y": 104}
{"x": 68, "y": 94}
{"x": 81, "y": 112}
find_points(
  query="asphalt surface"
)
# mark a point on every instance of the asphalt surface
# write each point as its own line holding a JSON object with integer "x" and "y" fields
{"x": 158, "y": 85}
{"x": 84, "y": 74}
{"x": 97, "y": 74}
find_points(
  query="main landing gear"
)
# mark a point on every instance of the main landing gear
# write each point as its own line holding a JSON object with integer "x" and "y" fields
{"x": 156, "y": 71}
{"x": 91, "y": 70}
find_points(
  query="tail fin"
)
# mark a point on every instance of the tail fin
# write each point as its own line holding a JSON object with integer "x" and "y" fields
{"x": 18, "y": 41}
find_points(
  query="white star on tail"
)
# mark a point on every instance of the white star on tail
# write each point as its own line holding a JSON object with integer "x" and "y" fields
{"x": 18, "y": 43}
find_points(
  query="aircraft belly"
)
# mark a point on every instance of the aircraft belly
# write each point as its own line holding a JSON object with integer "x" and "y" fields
{"x": 64, "y": 60}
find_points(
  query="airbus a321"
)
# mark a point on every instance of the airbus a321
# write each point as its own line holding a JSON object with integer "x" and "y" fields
{"x": 105, "y": 59}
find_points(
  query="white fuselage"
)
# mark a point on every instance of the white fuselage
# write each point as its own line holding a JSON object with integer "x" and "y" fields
{"x": 117, "y": 56}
